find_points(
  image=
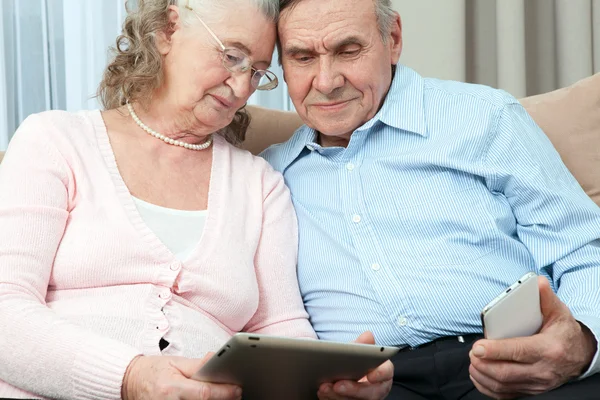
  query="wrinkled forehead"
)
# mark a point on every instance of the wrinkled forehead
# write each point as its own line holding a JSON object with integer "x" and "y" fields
{"x": 326, "y": 21}
{"x": 246, "y": 28}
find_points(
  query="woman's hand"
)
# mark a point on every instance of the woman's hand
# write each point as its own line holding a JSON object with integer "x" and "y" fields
{"x": 160, "y": 377}
{"x": 376, "y": 385}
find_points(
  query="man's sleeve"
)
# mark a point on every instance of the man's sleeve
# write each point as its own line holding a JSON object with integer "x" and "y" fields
{"x": 556, "y": 220}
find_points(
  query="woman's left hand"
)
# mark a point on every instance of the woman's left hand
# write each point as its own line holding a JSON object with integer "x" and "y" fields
{"x": 376, "y": 385}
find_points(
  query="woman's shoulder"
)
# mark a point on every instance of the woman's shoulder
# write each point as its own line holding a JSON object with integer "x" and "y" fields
{"x": 67, "y": 135}
{"x": 245, "y": 167}
{"x": 57, "y": 124}
{"x": 245, "y": 160}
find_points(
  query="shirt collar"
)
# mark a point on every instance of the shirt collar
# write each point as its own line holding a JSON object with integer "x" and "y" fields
{"x": 402, "y": 109}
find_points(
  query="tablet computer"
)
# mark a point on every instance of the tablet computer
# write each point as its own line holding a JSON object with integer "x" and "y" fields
{"x": 271, "y": 367}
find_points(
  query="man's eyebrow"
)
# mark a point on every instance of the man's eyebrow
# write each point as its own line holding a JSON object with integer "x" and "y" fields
{"x": 295, "y": 50}
{"x": 348, "y": 41}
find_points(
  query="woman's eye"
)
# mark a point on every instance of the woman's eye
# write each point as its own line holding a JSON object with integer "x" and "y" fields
{"x": 232, "y": 59}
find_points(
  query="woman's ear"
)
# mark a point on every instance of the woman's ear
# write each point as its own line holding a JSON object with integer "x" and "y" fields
{"x": 164, "y": 39}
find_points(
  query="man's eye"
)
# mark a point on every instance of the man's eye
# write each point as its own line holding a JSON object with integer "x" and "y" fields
{"x": 350, "y": 52}
{"x": 303, "y": 59}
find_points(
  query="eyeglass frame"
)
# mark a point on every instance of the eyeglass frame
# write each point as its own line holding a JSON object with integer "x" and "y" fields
{"x": 274, "y": 82}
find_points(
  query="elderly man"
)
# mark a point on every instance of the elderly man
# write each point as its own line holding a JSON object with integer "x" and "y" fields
{"x": 419, "y": 201}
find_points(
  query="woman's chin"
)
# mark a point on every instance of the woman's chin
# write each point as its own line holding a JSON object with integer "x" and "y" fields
{"x": 215, "y": 123}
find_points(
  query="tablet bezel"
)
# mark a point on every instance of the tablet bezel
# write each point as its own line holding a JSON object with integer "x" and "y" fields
{"x": 273, "y": 367}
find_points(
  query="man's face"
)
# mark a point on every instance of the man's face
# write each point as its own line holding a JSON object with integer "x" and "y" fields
{"x": 336, "y": 65}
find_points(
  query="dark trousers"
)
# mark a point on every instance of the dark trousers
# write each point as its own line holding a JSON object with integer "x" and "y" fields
{"x": 440, "y": 371}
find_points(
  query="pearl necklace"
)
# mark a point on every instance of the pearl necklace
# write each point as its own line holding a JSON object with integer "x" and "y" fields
{"x": 165, "y": 139}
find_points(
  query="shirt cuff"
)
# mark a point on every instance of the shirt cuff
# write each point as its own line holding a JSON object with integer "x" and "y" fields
{"x": 99, "y": 370}
{"x": 593, "y": 324}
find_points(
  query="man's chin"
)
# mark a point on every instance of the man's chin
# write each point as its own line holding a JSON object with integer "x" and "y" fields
{"x": 335, "y": 127}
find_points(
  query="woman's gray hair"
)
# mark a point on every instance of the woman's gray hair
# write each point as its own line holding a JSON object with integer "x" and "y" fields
{"x": 136, "y": 69}
{"x": 269, "y": 8}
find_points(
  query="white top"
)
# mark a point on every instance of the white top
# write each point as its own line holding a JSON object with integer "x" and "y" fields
{"x": 179, "y": 230}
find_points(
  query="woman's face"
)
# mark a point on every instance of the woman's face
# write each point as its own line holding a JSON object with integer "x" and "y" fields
{"x": 197, "y": 83}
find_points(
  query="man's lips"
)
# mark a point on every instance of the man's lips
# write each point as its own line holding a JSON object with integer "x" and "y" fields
{"x": 332, "y": 105}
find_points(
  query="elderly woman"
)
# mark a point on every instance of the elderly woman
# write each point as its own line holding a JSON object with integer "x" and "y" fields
{"x": 138, "y": 239}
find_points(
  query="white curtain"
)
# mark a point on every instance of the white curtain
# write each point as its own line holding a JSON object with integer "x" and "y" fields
{"x": 525, "y": 47}
{"x": 52, "y": 53}
{"x": 3, "y": 90}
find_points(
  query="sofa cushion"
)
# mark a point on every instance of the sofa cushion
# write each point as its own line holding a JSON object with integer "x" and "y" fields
{"x": 571, "y": 119}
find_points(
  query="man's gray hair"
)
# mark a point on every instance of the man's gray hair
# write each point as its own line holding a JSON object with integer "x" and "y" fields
{"x": 385, "y": 17}
{"x": 383, "y": 11}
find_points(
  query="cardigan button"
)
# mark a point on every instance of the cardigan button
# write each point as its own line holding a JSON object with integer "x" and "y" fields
{"x": 176, "y": 266}
{"x": 165, "y": 295}
{"x": 163, "y": 326}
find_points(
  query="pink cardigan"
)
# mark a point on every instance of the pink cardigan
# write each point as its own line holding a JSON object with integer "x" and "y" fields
{"x": 85, "y": 285}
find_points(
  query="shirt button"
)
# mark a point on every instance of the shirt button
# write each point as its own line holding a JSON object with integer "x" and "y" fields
{"x": 375, "y": 267}
{"x": 310, "y": 148}
{"x": 402, "y": 321}
{"x": 350, "y": 166}
{"x": 176, "y": 266}
{"x": 356, "y": 218}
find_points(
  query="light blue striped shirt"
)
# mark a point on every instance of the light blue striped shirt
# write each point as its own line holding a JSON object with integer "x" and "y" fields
{"x": 442, "y": 200}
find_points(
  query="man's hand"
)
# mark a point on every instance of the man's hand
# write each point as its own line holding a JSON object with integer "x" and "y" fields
{"x": 561, "y": 351}
{"x": 376, "y": 385}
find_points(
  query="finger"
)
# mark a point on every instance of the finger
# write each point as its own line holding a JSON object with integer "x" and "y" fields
{"x": 505, "y": 371}
{"x": 482, "y": 388}
{"x": 365, "y": 338}
{"x": 326, "y": 392}
{"x": 189, "y": 366}
{"x": 385, "y": 372}
{"x": 510, "y": 390}
{"x": 550, "y": 304}
{"x": 194, "y": 390}
{"x": 524, "y": 349}
{"x": 361, "y": 390}
{"x": 517, "y": 378}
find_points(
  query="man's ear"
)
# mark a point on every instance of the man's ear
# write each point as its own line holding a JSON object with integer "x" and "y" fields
{"x": 395, "y": 39}
{"x": 164, "y": 38}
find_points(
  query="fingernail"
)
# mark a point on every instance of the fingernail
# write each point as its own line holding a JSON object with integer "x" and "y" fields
{"x": 238, "y": 392}
{"x": 343, "y": 388}
{"x": 478, "y": 351}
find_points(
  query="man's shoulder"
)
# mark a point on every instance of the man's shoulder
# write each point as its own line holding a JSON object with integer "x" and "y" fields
{"x": 469, "y": 92}
{"x": 281, "y": 155}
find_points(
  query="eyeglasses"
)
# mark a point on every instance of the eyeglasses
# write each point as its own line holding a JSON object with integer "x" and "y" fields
{"x": 235, "y": 60}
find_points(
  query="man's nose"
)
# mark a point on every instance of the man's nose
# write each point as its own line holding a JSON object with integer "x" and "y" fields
{"x": 328, "y": 78}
